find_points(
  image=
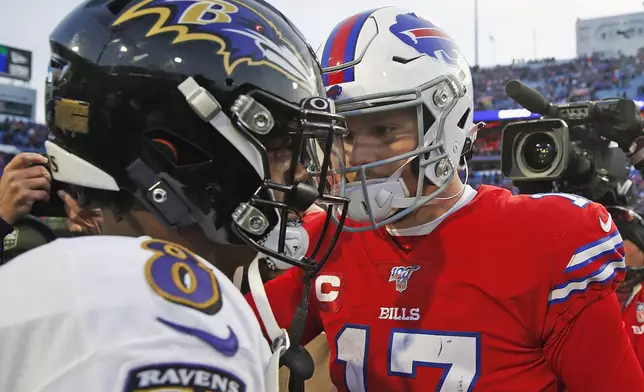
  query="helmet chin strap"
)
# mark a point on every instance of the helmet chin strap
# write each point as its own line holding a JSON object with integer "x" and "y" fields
{"x": 279, "y": 337}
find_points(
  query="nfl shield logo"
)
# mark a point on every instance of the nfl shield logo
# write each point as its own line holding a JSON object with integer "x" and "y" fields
{"x": 401, "y": 276}
{"x": 639, "y": 312}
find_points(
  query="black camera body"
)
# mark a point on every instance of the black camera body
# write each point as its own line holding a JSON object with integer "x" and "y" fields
{"x": 535, "y": 150}
{"x": 55, "y": 206}
{"x": 578, "y": 147}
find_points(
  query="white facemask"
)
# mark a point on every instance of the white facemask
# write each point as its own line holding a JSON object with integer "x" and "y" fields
{"x": 384, "y": 197}
{"x": 295, "y": 246}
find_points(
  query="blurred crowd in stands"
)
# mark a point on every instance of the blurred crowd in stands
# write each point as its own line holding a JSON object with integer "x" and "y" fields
{"x": 560, "y": 80}
{"x": 24, "y": 135}
{"x": 488, "y": 143}
{"x": 568, "y": 80}
{"x": 19, "y": 135}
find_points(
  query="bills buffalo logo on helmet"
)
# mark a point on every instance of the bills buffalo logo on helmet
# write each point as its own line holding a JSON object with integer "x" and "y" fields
{"x": 334, "y": 92}
{"x": 243, "y": 34}
{"x": 426, "y": 38}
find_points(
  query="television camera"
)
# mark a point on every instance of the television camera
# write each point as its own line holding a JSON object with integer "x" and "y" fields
{"x": 575, "y": 147}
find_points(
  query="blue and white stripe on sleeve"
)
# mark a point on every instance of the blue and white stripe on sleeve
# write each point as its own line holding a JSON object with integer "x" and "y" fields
{"x": 594, "y": 263}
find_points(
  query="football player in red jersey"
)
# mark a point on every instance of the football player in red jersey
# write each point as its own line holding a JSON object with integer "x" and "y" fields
{"x": 629, "y": 293}
{"x": 436, "y": 286}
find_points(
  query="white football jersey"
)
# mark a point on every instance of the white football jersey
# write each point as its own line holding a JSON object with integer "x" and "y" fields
{"x": 120, "y": 314}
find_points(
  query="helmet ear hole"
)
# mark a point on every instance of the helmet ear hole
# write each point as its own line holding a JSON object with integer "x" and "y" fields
{"x": 174, "y": 150}
{"x": 463, "y": 120}
{"x": 428, "y": 121}
{"x": 428, "y": 118}
{"x": 167, "y": 149}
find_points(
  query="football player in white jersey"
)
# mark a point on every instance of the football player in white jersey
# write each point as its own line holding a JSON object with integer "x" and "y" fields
{"x": 164, "y": 114}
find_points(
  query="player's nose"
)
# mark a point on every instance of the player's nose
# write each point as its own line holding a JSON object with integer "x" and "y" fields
{"x": 362, "y": 152}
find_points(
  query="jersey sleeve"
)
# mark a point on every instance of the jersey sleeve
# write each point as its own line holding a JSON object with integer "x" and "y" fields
{"x": 594, "y": 353}
{"x": 583, "y": 334}
{"x": 587, "y": 262}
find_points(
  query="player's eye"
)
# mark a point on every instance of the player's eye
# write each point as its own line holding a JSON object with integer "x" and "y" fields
{"x": 384, "y": 130}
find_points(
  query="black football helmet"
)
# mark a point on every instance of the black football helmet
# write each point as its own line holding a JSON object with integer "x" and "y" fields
{"x": 179, "y": 104}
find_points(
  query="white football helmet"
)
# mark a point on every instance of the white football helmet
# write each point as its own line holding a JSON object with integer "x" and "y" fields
{"x": 391, "y": 58}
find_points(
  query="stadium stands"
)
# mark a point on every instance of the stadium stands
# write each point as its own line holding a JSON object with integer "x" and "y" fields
{"x": 18, "y": 136}
{"x": 571, "y": 80}
{"x": 23, "y": 135}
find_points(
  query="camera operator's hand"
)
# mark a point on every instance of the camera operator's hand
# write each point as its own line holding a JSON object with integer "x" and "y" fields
{"x": 81, "y": 220}
{"x": 24, "y": 182}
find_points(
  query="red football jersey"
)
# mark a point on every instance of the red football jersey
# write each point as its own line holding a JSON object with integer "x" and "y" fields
{"x": 633, "y": 315}
{"x": 508, "y": 293}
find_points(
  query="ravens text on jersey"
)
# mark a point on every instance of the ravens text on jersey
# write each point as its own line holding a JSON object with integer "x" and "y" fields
{"x": 182, "y": 376}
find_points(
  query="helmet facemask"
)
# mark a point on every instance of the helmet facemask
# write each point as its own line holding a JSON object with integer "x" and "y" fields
{"x": 377, "y": 201}
{"x": 286, "y": 191}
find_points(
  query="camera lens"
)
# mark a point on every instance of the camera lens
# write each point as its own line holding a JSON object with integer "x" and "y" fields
{"x": 539, "y": 151}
